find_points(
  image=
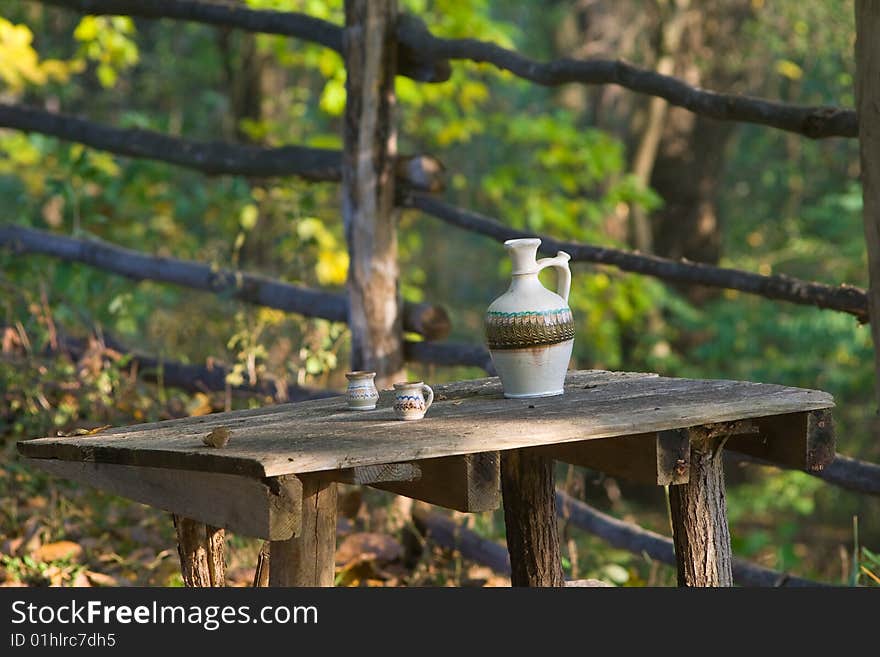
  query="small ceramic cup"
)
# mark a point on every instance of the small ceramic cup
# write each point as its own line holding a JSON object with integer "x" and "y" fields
{"x": 412, "y": 400}
{"x": 361, "y": 394}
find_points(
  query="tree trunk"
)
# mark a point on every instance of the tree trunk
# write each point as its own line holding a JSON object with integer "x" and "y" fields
{"x": 690, "y": 162}
{"x": 530, "y": 518}
{"x": 370, "y": 145}
{"x": 200, "y": 547}
{"x": 646, "y": 154}
{"x": 699, "y": 517}
{"x": 868, "y": 107}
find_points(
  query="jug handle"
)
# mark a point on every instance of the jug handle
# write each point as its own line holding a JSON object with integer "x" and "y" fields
{"x": 563, "y": 273}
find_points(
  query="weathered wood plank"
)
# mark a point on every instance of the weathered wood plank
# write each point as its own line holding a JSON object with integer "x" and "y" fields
{"x": 246, "y": 506}
{"x": 699, "y": 515}
{"x": 804, "y": 441}
{"x": 469, "y": 483}
{"x": 530, "y": 519}
{"x": 473, "y": 417}
{"x": 201, "y": 551}
{"x": 660, "y": 458}
{"x": 374, "y": 474}
{"x": 308, "y": 559}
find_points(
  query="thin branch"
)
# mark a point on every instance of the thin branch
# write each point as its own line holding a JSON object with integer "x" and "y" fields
{"x": 843, "y": 298}
{"x": 315, "y": 164}
{"x": 422, "y": 318}
{"x": 641, "y": 541}
{"x": 814, "y": 122}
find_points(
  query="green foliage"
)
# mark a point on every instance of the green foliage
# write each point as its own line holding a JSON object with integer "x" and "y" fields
{"x": 107, "y": 41}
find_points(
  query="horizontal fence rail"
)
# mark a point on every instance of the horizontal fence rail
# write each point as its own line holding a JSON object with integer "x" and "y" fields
{"x": 844, "y": 471}
{"x": 845, "y": 298}
{"x": 292, "y": 24}
{"x": 314, "y": 164}
{"x": 424, "y": 57}
{"x": 449, "y": 534}
{"x": 422, "y": 318}
{"x": 813, "y": 122}
{"x": 418, "y": 172}
{"x": 190, "y": 376}
{"x": 285, "y": 23}
{"x": 635, "y": 539}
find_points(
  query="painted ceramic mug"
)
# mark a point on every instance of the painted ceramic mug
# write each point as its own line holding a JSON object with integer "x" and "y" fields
{"x": 361, "y": 394}
{"x": 412, "y": 400}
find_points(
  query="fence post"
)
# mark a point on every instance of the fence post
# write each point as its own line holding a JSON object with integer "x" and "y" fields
{"x": 867, "y": 100}
{"x": 370, "y": 147}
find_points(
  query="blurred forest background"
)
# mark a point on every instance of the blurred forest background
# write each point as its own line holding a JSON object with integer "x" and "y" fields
{"x": 594, "y": 164}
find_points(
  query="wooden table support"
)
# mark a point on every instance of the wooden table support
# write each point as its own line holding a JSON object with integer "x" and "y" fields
{"x": 699, "y": 514}
{"x": 308, "y": 558}
{"x": 201, "y": 551}
{"x": 529, "y": 495}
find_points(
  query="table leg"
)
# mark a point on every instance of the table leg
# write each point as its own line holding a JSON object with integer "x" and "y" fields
{"x": 529, "y": 497}
{"x": 699, "y": 516}
{"x": 201, "y": 551}
{"x": 309, "y": 558}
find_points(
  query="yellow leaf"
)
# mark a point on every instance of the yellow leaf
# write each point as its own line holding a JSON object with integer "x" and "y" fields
{"x": 87, "y": 30}
{"x": 311, "y": 228}
{"x": 332, "y": 267}
{"x": 200, "y": 404}
{"x": 270, "y": 316}
{"x": 56, "y": 69}
{"x": 248, "y": 217}
{"x": 789, "y": 69}
{"x": 333, "y": 97}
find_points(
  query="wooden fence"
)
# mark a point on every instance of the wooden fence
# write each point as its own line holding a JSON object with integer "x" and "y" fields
{"x": 377, "y": 43}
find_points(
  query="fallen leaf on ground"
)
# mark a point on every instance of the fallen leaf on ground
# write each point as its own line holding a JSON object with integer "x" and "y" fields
{"x": 101, "y": 579}
{"x": 241, "y": 576}
{"x": 81, "y": 580}
{"x": 58, "y": 550}
{"x": 367, "y": 546}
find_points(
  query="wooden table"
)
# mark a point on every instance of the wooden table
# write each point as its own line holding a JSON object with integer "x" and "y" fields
{"x": 276, "y": 479}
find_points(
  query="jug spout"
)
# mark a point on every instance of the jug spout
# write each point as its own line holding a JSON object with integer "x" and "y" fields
{"x": 524, "y": 255}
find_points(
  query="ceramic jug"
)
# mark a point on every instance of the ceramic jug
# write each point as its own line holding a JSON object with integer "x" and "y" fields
{"x": 529, "y": 329}
{"x": 361, "y": 394}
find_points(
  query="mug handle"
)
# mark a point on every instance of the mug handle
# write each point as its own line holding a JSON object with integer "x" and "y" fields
{"x": 429, "y": 395}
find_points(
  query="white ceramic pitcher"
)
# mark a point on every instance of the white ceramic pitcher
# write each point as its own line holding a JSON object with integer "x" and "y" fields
{"x": 529, "y": 329}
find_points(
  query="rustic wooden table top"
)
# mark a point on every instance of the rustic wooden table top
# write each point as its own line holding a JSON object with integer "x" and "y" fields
{"x": 467, "y": 417}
